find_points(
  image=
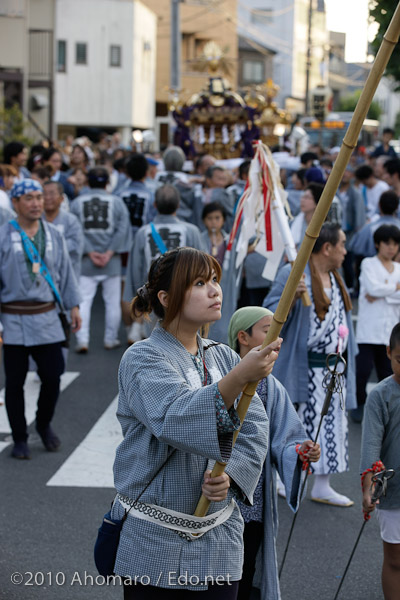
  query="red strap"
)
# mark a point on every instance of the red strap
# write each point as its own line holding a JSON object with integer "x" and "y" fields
{"x": 377, "y": 467}
{"x": 303, "y": 457}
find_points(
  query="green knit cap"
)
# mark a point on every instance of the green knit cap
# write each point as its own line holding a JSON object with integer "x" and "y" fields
{"x": 243, "y": 319}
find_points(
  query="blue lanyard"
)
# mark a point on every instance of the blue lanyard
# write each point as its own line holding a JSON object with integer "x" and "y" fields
{"x": 158, "y": 239}
{"x": 35, "y": 257}
{"x": 364, "y": 193}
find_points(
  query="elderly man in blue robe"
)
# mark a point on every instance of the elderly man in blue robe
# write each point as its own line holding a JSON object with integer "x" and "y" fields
{"x": 66, "y": 223}
{"x": 310, "y": 334}
{"x": 34, "y": 269}
{"x": 287, "y": 451}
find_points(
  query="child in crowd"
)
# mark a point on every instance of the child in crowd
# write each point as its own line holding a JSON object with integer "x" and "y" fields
{"x": 214, "y": 237}
{"x": 380, "y": 443}
{"x": 378, "y": 310}
{"x": 288, "y": 448}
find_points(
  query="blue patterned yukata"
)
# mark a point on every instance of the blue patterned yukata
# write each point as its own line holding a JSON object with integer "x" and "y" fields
{"x": 304, "y": 337}
{"x": 323, "y": 338}
{"x": 166, "y": 401}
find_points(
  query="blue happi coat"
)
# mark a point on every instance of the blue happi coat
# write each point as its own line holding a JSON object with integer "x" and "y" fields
{"x": 285, "y": 431}
{"x": 291, "y": 367}
{"x": 16, "y": 284}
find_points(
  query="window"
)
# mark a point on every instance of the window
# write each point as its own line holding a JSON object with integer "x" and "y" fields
{"x": 253, "y": 71}
{"x": 115, "y": 56}
{"x": 81, "y": 53}
{"x": 61, "y": 56}
{"x": 261, "y": 16}
{"x": 188, "y": 46}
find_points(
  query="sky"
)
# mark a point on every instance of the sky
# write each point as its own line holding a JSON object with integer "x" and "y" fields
{"x": 350, "y": 17}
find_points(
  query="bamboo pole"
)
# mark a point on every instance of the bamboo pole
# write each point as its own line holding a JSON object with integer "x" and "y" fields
{"x": 390, "y": 39}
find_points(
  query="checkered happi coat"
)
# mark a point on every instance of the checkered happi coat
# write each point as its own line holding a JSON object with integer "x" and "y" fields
{"x": 163, "y": 405}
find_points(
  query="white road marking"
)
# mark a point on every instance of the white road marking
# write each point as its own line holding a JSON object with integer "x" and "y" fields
{"x": 91, "y": 463}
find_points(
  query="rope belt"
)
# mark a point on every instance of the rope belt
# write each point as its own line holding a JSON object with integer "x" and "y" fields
{"x": 190, "y": 527}
{"x": 27, "y": 308}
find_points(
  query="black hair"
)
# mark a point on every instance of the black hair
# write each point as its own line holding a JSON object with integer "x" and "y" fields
{"x": 392, "y": 166}
{"x": 316, "y": 189}
{"x": 199, "y": 160}
{"x": 244, "y": 168}
{"x": 329, "y": 234}
{"x": 211, "y": 170}
{"x": 48, "y": 153}
{"x": 167, "y": 199}
{"x": 307, "y": 156}
{"x": 35, "y": 156}
{"x": 395, "y": 337}
{"x": 385, "y": 233}
{"x": 301, "y": 174}
{"x": 213, "y": 207}
{"x": 12, "y": 149}
{"x": 98, "y": 178}
{"x": 388, "y": 202}
{"x": 120, "y": 165}
{"x": 326, "y": 161}
{"x": 363, "y": 173}
{"x": 388, "y": 130}
{"x": 137, "y": 167}
{"x": 43, "y": 172}
{"x": 60, "y": 187}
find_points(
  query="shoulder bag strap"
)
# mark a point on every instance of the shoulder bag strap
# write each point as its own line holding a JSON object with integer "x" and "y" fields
{"x": 35, "y": 257}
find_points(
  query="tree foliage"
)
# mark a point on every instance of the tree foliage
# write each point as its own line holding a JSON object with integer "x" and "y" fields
{"x": 381, "y": 11}
{"x": 348, "y": 103}
{"x": 12, "y": 125}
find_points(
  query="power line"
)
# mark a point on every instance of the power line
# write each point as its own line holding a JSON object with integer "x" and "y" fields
{"x": 265, "y": 12}
{"x": 212, "y": 5}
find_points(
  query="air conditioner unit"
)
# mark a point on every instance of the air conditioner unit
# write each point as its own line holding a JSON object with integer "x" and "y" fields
{"x": 38, "y": 102}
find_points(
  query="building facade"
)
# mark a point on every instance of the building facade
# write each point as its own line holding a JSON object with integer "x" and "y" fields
{"x": 283, "y": 27}
{"x": 26, "y": 61}
{"x": 105, "y": 67}
{"x": 200, "y": 22}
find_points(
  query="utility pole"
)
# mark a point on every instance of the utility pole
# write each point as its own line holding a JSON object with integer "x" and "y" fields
{"x": 308, "y": 60}
{"x": 175, "y": 79}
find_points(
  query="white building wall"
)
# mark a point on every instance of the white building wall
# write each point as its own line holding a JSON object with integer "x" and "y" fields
{"x": 275, "y": 32}
{"x": 96, "y": 93}
{"x": 144, "y": 60}
{"x": 286, "y": 32}
{"x": 389, "y": 101}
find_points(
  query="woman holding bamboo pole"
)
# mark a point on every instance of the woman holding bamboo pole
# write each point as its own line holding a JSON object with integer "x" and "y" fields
{"x": 177, "y": 395}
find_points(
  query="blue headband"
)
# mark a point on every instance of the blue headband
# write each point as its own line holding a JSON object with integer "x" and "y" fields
{"x": 23, "y": 187}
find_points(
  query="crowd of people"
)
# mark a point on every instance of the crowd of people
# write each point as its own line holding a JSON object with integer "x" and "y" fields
{"x": 155, "y": 228}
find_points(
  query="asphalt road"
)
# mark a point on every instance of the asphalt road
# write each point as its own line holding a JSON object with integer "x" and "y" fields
{"x": 47, "y": 532}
